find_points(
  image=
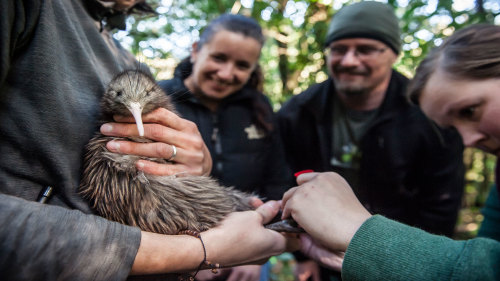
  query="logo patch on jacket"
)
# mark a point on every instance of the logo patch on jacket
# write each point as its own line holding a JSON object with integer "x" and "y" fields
{"x": 254, "y": 133}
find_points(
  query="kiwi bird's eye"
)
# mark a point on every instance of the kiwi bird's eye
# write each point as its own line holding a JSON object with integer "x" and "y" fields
{"x": 118, "y": 93}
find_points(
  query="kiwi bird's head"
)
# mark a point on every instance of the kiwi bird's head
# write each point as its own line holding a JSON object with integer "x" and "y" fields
{"x": 133, "y": 93}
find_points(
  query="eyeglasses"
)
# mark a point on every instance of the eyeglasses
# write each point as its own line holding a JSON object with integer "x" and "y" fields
{"x": 363, "y": 52}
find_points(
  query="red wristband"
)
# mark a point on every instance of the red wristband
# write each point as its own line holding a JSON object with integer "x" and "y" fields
{"x": 303, "y": 172}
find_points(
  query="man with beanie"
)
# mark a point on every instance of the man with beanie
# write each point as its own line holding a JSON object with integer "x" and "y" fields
{"x": 359, "y": 124}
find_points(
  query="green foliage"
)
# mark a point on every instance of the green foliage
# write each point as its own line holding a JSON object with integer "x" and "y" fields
{"x": 292, "y": 58}
{"x": 479, "y": 178}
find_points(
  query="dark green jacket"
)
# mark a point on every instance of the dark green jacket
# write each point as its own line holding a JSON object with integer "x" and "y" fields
{"x": 386, "y": 250}
{"x": 383, "y": 249}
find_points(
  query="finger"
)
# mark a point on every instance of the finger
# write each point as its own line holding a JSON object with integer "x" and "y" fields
{"x": 155, "y": 132}
{"x": 268, "y": 211}
{"x": 289, "y": 193}
{"x": 306, "y": 243}
{"x": 303, "y": 178}
{"x": 256, "y": 202}
{"x": 286, "y": 211}
{"x": 153, "y": 168}
{"x": 147, "y": 149}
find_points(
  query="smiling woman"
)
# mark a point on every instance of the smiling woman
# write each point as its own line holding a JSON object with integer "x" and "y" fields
{"x": 217, "y": 88}
{"x": 224, "y": 66}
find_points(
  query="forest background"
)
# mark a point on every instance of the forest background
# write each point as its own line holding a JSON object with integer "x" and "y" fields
{"x": 293, "y": 55}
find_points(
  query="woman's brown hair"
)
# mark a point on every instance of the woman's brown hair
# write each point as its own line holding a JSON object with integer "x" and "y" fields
{"x": 471, "y": 53}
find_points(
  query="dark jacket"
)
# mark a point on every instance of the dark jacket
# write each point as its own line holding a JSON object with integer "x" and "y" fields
{"x": 55, "y": 64}
{"x": 411, "y": 171}
{"x": 240, "y": 158}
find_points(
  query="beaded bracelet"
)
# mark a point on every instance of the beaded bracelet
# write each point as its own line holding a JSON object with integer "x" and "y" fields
{"x": 213, "y": 267}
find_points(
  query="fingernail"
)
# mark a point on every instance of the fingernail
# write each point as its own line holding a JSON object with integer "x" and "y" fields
{"x": 140, "y": 165}
{"x": 114, "y": 146}
{"x": 106, "y": 128}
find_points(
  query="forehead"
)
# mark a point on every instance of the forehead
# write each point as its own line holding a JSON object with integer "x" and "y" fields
{"x": 233, "y": 43}
{"x": 444, "y": 96}
{"x": 358, "y": 42}
{"x": 435, "y": 98}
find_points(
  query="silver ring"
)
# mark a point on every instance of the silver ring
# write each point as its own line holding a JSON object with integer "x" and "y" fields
{"x": 174, "y": 153}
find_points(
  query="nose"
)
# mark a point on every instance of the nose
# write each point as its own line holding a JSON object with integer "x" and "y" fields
{"x": 226, "y": 72}
{"x": 470, "y": 136}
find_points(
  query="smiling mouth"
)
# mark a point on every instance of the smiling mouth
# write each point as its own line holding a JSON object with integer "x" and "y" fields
{"x": 222, "y": 83}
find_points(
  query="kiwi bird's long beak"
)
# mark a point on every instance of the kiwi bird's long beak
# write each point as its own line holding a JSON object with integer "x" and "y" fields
{"x": 136, "y": 110}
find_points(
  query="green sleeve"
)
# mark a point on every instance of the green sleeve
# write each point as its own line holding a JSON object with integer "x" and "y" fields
{"x": 491, "y": 211}
{"x": 383, "y": 249}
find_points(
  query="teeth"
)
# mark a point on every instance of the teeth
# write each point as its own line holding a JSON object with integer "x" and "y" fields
{"x": 136, "y": 110}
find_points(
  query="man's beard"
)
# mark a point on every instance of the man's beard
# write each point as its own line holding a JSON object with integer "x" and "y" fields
{"x": 351, "y": 89}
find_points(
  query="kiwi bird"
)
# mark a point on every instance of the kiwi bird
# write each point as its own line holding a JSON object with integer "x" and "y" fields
{"x": 117, "y": 191}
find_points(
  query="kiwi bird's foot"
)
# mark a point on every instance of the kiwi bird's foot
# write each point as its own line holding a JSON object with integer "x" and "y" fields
{"x": 286, "y": 225}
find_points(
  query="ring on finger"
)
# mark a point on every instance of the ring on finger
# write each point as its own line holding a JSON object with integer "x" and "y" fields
{"x": 174, "y": 153}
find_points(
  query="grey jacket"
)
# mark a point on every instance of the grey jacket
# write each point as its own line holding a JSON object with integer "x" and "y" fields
{"x": 54, "y": 65}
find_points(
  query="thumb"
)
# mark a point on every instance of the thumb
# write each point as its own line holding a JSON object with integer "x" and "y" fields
{"x": 268, "y": 210}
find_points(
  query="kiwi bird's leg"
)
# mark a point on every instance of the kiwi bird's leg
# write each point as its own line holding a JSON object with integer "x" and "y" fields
{"x": 287, "y": 225}
{"x": 136, "y": 110}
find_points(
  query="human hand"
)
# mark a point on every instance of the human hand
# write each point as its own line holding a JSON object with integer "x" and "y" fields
{"x": 307, "y": 270}
{"x": 242, "y": 239}
{"x": 327, "y": 258}
{"x": 165, "y": 129}
{"x": 326, "y": 207}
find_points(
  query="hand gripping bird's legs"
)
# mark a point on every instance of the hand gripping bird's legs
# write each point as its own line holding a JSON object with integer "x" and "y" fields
{"x": 209, "y": 265}
{"x": 287, "y": 225}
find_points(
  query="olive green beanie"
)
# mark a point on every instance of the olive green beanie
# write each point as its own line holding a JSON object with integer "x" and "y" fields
{"x": 373, "y": 20}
